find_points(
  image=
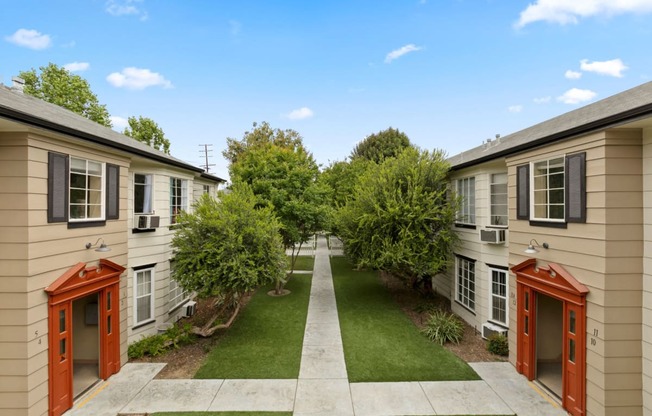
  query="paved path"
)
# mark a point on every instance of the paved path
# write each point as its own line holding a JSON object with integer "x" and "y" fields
{"x": 322, "y": 387}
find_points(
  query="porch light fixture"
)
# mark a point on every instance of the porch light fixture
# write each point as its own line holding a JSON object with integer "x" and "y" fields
{"x": 531, "y": 247}
{"x": 102, "y": 248}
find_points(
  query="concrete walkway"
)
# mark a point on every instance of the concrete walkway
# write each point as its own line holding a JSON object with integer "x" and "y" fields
{"x": 322, "y": 387}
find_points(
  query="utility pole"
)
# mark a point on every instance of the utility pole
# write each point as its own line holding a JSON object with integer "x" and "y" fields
{"x": 207, "y": 152}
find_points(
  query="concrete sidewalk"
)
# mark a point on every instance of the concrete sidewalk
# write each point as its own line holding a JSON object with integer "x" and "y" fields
{"x": 322, "y": 387}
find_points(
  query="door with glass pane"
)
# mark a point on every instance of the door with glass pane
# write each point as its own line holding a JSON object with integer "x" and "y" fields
{"x": 110, "y": 332}
{"x": 526, "y": 332}
{"x": 573, "y": 356}
{"x": 60, "y": 357}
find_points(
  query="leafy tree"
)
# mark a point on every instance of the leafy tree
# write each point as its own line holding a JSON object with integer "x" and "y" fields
{"x": 379, "y": 146}
{"x": 145, "y": 130}
{"x": 341, "y": 177}
{"x": 58, "y": 86}
{"x": 226, "y": 248}
{"x": 283, "y": 175}
{"x": 401, "y": 218}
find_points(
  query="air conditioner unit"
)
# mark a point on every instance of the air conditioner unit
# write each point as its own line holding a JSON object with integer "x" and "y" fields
{"x": 190, "y": 308}
{"x": 492, "y": 236}
{"x": 489, "y": 329}
{"x": 146, "y": 222}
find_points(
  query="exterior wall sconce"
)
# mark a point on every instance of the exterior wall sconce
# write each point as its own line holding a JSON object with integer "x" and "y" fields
{"x": 102, "y": 248}
{"x": 534, "y": 243}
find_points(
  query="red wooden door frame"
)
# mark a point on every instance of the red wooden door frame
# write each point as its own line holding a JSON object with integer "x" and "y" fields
{"x": 77, "y": 282}
{"x": 557, "y": 283}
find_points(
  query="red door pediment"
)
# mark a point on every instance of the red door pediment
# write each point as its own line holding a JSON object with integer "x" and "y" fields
{"x": 553, "y": 279}
{"x": 81, "y": 279}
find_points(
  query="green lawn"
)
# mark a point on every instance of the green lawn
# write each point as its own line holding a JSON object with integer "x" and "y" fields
{"x": 380, "y": 342}
{"x": 303, "y": 262}
{"x": 266, "y": 339}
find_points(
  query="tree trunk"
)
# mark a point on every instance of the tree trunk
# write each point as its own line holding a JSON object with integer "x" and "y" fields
{"x": 208, "y": 329}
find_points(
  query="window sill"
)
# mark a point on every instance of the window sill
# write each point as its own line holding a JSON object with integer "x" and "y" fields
{"x": 142, "y": 324}
{"x": 465, "y": 307}
{"x": 142, "y": 230}
{"x": 549, "y": 224}
{"x": 86, "y": 224}
{"x": 500, "y": 324}
{"x": 467, "y": 226}
{"x": 498, "y": 227}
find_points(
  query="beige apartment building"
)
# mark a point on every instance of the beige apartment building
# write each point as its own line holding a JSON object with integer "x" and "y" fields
{"x": 556, "y": 252}
{"x": 87, "y": 219}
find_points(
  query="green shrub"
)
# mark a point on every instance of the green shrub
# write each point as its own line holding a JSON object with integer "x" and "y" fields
{"x": 444, "y": 327}
{"x": 154, "y": 345}
{"x": 498, "y": 345}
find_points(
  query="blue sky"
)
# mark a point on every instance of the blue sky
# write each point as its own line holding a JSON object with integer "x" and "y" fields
{"x": 449, "y": 73}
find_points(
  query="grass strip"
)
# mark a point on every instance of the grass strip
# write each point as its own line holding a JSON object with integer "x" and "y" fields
{"x": 380, "y": 342}
{"x": 303, "y": 262}
{"x": 266, "y": 339}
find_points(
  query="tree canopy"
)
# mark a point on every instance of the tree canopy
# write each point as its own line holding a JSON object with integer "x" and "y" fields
{"x": 382, "y": 145}
{"x": 58, "y": 86}
{"x": 401, "y": 219}
{"x": 262, "y": 135}
{"x": 145, "y": 130}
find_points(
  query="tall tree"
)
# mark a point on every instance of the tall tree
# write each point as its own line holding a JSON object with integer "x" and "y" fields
{"x": 401, "y": 218}
{"x": 227, "y": 247}
{"x": 379, "y": 146}
{"x": 147, "y": 131}
{"x": 283, "y": 175}
{"x": 58, "y": 86}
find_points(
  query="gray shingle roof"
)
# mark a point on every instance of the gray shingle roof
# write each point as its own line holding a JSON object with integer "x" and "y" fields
{"x": 29, "y": 110}
{"x": 611, "y": 111}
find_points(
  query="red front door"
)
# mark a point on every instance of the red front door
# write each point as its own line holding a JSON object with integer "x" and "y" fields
{"x": 109, "y": 332}
{"x": 526, "y": 332}
{"x": 60, "y": 358}
{"x": 573, "y": 356}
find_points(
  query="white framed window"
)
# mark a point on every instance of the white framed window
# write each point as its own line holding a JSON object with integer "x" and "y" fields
{"x": 465, "y": 282}
{"x": 86, "y": 191}
{"x": 498, "y": 295}
{"x": 498, "y": 199}
{"x": 207, "y": 189}
{"x": 178, "y": 198}
{"x": 143, "y": 295}
{"x": 177, "y": 294}
{"x": 143, "y": 193}
{"x": 547, "y": 185}
{"x": 466, "y": 190}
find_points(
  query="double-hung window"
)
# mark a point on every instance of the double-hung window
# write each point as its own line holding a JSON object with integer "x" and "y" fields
{"x": 143, "y": 295}
{"x": 499, "y": 290}
{"x": 465, "y": 282}
{"x": 552, "y": 191}
{"x": 82, "y": 192}
{"x": 498, "y": 199}
{"x": 143, "y": 194}
{"x": 466, "y": 190}
{"x": 178, "y": 198}
{"x": 177, "y": 294}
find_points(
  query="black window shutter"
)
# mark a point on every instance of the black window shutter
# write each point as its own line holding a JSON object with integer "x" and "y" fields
{"x": 112, "y": 192}
{"x": 523, "y": 192}
{"x": 576, "y": 187}
{"x": 58, "y": 177}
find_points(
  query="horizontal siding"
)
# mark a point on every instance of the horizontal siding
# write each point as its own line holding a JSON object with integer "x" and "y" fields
{"x": 646, "y": 186}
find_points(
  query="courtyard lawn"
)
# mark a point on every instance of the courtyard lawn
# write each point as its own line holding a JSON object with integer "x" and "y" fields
{"x": 380, "y": 342}
{"x": 303, "y": 262}
{"x": 265, "y": 341}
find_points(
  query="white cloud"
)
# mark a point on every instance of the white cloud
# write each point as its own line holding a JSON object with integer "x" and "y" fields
{"x": 300, "y": 113}
{"x": 515, "y": 108}
{"x": 614, "y": 67}
{"x": 570, "y": 11}
{"x": 77, "y": 66}
{"x": 542, "y": 100}
{"x": 397, "y": 53}
{"x": 137, "y": 79}
{"x": 29, "y": 38}
{"x": 573, "y": 74}
{"x": 125, "y": 8}
{"x": 576, "y": 96}
{"x": 119, "y": 123}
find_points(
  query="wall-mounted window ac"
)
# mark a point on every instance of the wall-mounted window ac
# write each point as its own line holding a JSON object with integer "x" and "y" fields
{"x": 492, "y": 236}
{"x": 146, "y": 222}
{"x": 190, "y": 308}
{"x": 489, "y": 329}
